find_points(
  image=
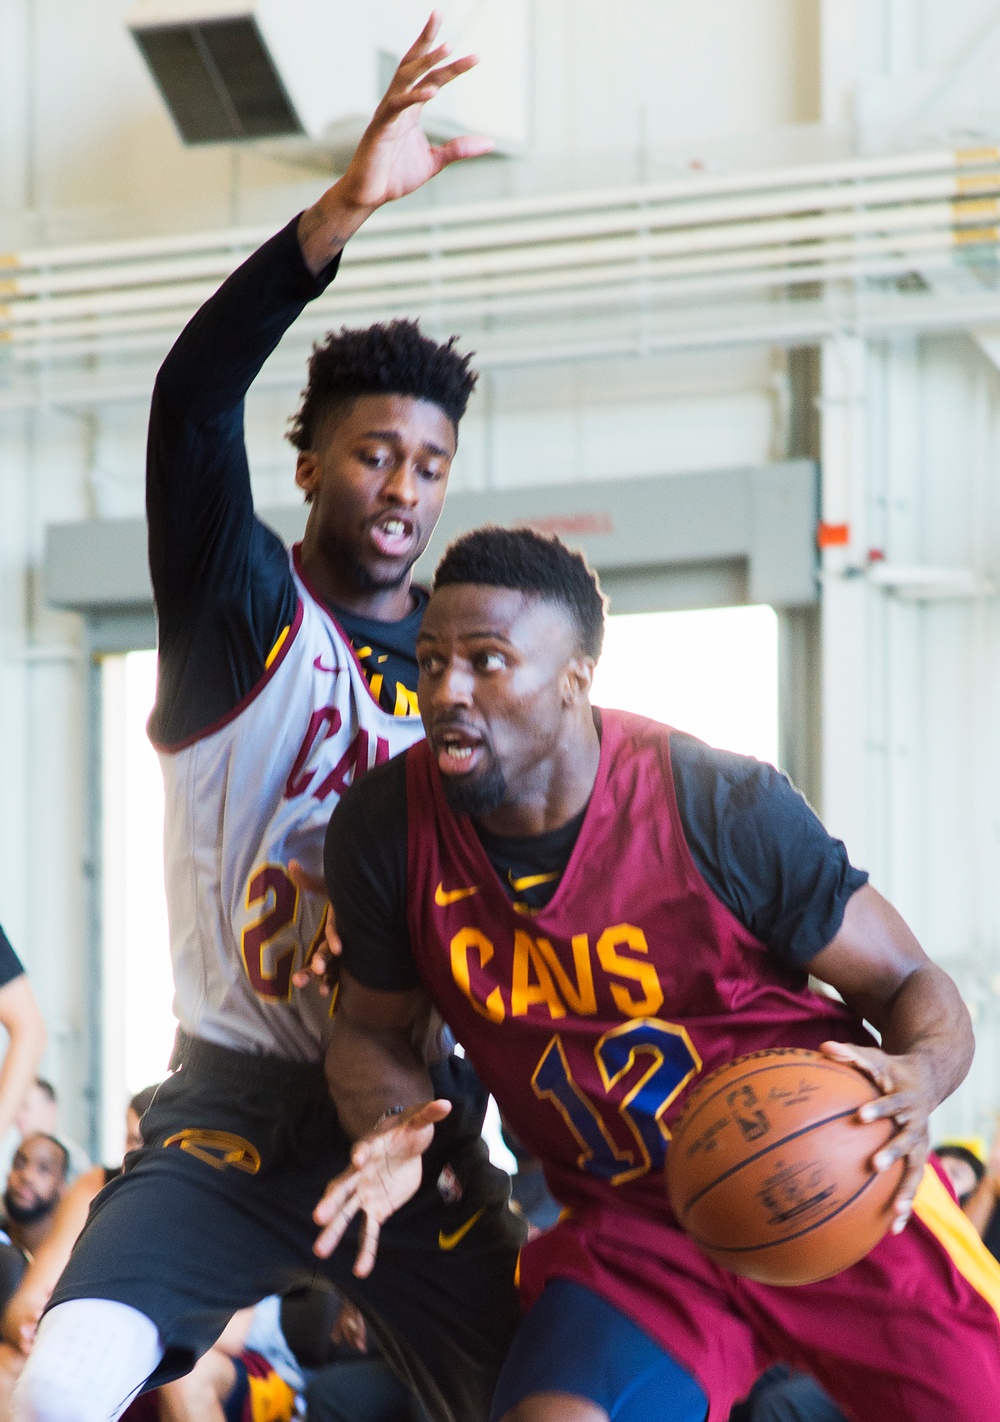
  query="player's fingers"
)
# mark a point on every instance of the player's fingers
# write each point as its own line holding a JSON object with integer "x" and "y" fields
{"x": 430, "y": 1114}
{"x": 873, "y": 1063}
{"x": 328, "y": 1238}
{"x": 910, "y": 1143}
{"x": 447, "y": 72}
{"x": 330, "y": 933}
{"x": 903, "y": 1203}
{"x": 424, "y": 40}
{"x": 398, "y": 104}
{"x": 339, "y": 1194}
{"x": 426, "y": 88}
{"x": 334, "y": 1226}
{"x": 471, "y": 146}
{"x": 410, "y": 70}
{"x": 310, "y": 883}
{"x": 368, "y": 1247}
{"x": 899, "y": 1105}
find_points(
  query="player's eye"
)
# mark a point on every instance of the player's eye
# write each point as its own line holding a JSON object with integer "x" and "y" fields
{"x": 431, "y": 473}
{"x": 375, "y": 458}
{"x": 490, "y": 661}
{"x": 430, "y": 665}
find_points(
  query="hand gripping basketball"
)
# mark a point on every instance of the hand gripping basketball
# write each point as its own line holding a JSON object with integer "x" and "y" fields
{"x": 908, "y": 1100}
{"x": 385, "y": 1171}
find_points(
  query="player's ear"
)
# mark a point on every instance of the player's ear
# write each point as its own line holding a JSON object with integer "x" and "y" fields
{"x": 578, "y": 678}
{"x": 307, "y": 472}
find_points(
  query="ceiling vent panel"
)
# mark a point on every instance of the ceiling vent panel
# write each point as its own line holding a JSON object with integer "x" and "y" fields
{"x": 308, "y": 73}
{"x": 218, "y": 80}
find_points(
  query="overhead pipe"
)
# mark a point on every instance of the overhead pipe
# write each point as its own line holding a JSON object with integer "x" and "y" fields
{"x": 961, "y": 161}
{"x": 439, "y": 274}
{"x": 621, "y": 217}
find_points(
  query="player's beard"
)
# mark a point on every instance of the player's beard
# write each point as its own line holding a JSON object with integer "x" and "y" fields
{"x": 476, "y": 795}
{"x": 27, "y": 1214}
{"x": 342, "y": 552}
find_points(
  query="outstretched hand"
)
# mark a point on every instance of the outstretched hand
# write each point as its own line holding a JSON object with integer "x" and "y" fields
{"x": 907, "y": 1099}
{"x": 394, "y": 157}
{"x": 385, "y": 1171}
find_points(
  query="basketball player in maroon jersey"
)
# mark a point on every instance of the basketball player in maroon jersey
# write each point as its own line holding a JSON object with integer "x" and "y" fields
{"x": 604, "y": 910}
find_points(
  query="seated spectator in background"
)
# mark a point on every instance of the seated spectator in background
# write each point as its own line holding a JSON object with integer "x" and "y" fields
{"x": 34, "y": 1188}
{"x": 35, "y": 1185}
{"x": 963, "y": 1167}
{"x": 39, "y": 1112}
{"x": 976, "y": 1182}
{"x": 22, "y": 1020}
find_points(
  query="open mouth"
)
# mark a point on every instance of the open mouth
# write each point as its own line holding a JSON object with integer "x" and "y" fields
{"x": 393, "y": 536}
{"x": 458, "y": 752}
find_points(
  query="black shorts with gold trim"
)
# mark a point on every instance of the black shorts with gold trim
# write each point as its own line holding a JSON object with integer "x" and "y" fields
{"x": 215, "y": 1213}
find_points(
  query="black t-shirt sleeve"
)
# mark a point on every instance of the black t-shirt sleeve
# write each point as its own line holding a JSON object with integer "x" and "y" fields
{"x": 762, "y": 849}
{"x": 221, "y": 581}
{"x": 365, "y": 865}
{"x": 11, "y": 966}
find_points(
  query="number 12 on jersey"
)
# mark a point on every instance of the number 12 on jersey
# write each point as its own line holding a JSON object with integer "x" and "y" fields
{"x": 657, "y": 1059}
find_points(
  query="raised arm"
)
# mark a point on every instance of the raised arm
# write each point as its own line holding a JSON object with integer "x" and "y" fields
{"x": 221, "y": 583}
{"x": 884, "y": 975}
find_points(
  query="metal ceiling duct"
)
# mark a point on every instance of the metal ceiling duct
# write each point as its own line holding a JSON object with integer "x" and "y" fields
{"x": 308, "y": 73}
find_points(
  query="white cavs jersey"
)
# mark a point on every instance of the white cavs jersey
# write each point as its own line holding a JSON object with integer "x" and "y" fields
{"x": 243, "y": 799}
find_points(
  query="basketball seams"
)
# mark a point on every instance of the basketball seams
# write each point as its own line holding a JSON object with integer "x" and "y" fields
{"x": 774, "y": 1145}
{"x": 696, "y": 1101}
{"x": 788, "y": 1238}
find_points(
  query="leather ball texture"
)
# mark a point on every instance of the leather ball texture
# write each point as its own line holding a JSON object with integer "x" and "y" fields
{"x": 769, "y": 1169}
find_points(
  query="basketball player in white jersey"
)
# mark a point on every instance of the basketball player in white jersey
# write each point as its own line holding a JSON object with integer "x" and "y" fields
{"x": 282, "y": 680}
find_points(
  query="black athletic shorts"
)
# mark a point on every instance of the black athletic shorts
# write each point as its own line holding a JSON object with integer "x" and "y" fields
{"x": 215, "y": 1213}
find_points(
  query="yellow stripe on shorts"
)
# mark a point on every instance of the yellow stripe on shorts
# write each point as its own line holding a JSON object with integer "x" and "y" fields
{"x": 957, "y": 1235}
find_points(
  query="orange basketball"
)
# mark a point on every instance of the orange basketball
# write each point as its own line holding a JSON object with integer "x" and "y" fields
{"x": 769, "y": 1168}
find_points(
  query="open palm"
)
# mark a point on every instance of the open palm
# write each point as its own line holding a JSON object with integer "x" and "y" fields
{"x": 394, "y": 156}
{"x": 385, "y": 1171}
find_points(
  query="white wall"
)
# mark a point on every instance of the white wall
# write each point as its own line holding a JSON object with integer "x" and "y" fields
{"x": 912, "y": 765}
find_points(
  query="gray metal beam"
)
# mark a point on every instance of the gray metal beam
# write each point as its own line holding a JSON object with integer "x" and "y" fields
{"x": 681, "y": 540}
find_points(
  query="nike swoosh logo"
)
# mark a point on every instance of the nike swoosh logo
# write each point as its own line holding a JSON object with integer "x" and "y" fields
{"x": 318, "y": 664}
{"x": 443, "y": 897}
{"x": 530, "y": 881}
{"x": 448, "y": 1241}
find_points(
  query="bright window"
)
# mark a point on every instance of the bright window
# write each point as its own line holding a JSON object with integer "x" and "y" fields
{"x": 713, "y": 673}
{"x": 138, "y": 990}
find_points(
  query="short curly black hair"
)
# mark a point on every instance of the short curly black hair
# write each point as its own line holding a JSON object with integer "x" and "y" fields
{"x": 392, "y": 358}
{"x": 530, "y": 562}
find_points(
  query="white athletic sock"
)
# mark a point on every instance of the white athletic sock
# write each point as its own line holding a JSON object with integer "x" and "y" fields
{"x": 91, "y": 1357}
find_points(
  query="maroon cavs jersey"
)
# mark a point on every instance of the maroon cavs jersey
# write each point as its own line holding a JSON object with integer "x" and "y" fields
{"x": 589, "y": 1019}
